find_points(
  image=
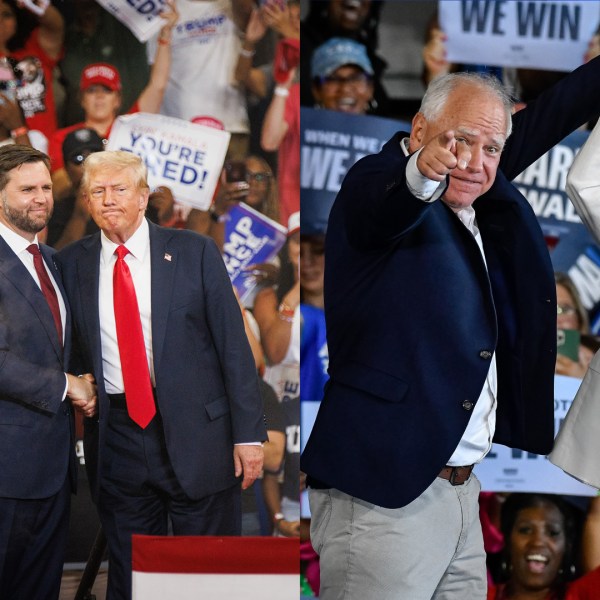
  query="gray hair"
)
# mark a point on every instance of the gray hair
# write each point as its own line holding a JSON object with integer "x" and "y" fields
{"x": 115, "y": 159}
{"x": 441, "y": 87}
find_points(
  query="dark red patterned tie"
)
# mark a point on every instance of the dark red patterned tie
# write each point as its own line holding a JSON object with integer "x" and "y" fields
{"x": 47, "y": 288}
{"x": 132, "y": 350}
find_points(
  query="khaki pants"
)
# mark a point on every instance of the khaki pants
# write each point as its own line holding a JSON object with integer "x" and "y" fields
{"x": 430, "y": 549}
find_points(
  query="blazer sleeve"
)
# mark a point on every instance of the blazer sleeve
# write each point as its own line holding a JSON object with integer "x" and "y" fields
{"x": 556, "y": 113}
{"x": 375, "y": 203}
{"x": 235, "y": 357}
{"x": 29, "y": 383}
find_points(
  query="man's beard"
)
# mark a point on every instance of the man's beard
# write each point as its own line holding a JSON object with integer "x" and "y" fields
{"x": 21, "y": 219}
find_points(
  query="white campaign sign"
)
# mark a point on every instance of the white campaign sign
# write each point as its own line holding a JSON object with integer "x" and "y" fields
{"x": 507, "y": 470}
{"x": 541, "y": 35}
{"x": 139, "y": 16}
{"x": 183, "y": 156}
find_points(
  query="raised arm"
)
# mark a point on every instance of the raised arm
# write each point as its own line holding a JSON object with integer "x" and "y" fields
{"x": 274, "y": 125}
{"x": 152, "y": 95}
{"x": 51, "y": 29}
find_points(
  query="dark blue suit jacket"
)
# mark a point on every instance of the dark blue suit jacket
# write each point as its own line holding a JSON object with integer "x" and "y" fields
{"x": 413, "y": 315}
{"x": 36, "y": 428}
{"x": 206, "y": 382}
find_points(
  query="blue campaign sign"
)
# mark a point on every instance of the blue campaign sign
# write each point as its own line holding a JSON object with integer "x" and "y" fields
{"x": 250, "y": 238}
{"x": 330, "y": 143}
{"x": 572, "y": 248}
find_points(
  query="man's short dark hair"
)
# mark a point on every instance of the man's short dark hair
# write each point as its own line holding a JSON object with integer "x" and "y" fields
{"x": 14, "y": 155}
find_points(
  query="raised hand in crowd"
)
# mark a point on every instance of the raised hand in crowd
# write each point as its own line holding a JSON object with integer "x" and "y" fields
{"x": 434, "y": 55}
{"x": 12, "y": 121}
{"x": 279, "y": 17}
{"x": 162, "y": 202}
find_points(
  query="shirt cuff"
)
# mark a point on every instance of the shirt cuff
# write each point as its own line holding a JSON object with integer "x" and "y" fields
{"x": 66, "y": 387}
{"x": 249, "y": 444}
{"x": 420, "y": 186}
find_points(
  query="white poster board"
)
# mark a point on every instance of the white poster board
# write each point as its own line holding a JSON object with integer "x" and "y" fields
{"x": 139, "y": 16}
{"x": 507, "y": 470}
{"x": 540, "y": 35}
{"x": 183, "y": 156}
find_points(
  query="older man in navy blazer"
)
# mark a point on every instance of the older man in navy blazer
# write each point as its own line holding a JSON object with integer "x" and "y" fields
{"x": 441, "y": 318}
{"x": 37, "y": 458}
{"x": 183, "y": 460}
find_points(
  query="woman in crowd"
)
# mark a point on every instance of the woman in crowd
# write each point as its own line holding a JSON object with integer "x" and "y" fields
{"x": 572, "y": 315}
{"x": 342, "y": 76}
{"x": 540, "y": 551}
{"x": 253, "y": 184}
{"x": 357, "y": 20}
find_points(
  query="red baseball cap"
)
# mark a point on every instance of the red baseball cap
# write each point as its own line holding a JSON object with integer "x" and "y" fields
{"x": 100, "y": 74}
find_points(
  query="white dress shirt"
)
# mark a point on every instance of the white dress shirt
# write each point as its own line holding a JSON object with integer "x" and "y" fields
{"x": 477, "y": 438}
{"x": 138, "y": 261}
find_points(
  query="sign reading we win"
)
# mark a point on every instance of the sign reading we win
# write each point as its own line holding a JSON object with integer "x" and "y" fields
{"x": 509, "y": 33}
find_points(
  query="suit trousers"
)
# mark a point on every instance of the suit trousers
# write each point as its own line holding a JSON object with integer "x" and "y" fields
{"x": 430, "y": 549}
{"x": 140, "y": 494}
{"x": 33, "y": 540}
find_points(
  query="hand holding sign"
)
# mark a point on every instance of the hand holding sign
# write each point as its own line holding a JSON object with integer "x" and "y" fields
{"x": 37, "y": 7}
{"x": 441, "y": 155}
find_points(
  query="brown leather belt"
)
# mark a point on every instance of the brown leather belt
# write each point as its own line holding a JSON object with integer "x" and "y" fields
{"x": 456, "y": 475}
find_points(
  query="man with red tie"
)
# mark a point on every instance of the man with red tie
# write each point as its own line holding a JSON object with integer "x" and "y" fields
{"x": 37, "y": 459}
{"x": 180, "y": 415}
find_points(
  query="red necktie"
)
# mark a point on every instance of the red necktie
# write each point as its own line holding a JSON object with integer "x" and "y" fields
{"x": 47, "y": 288}
{"x": 132, "y": 350}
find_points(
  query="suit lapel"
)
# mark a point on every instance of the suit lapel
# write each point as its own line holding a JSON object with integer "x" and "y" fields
{"x": 16, "y": 272}
{"x": 163, "y": 263}
{"x": 88, "y": 275}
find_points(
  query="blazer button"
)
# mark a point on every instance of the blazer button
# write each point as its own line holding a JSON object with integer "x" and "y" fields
{"x": 485, "y": 354}
{"x": 467, "y": 405}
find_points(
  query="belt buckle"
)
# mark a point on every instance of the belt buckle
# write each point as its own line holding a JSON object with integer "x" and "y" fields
{"x": 453, "y": 474}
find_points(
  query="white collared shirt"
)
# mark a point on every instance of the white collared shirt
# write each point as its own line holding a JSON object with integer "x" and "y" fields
{"x": 477, "y": 438}
{"x": 138, "y": 261}
{"x": 18, "y": 244}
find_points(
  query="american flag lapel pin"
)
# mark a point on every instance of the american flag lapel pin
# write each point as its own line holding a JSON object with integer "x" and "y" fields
{"x": 168, "y": 256}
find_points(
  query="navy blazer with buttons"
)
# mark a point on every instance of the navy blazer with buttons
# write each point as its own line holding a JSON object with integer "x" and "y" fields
{"x": 37, "y": 448}
{"x": 413, "y": 315}
{"x": 206, "y": 382}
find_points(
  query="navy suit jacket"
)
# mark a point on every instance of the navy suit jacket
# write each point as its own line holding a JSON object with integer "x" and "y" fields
{"x": 36, "y": 426}
{"x": 206, "y": 382}
{"x": 413, "y": 315}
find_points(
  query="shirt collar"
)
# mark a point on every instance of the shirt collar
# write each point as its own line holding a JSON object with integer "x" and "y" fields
{"x": 404, "y": 146}
{"x": 467, "y": 216}
{"x": 16, "y": 242}
{"x": 138, "y": 244}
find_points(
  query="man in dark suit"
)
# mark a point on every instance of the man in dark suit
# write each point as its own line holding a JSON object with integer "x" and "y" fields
{"x": 37, "y": 459}
{"x": 441, "y": 317}
{"x": 179, "y": 453}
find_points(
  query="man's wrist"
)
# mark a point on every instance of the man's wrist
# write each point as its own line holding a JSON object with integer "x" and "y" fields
{"x": 422, "y": 187}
